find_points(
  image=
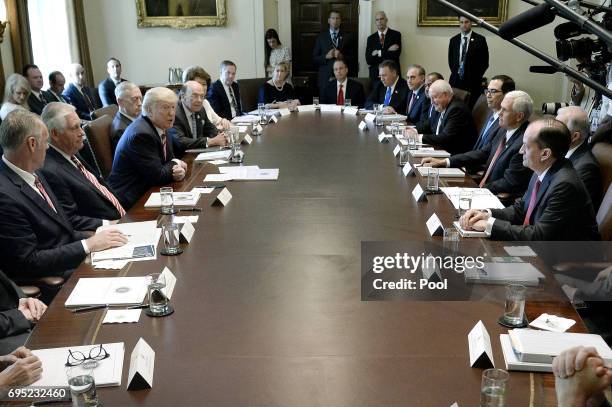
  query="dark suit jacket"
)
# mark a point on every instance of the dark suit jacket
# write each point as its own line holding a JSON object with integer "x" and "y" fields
{"x": 35, "y": 241}
{"x": 183, "y": 133}
{"x": 373, "y": 44}
{"x": 485, "y": 136}
{"x": 76, "y": 99}
{"x": 106, "y": 90}
{"x": 563, "y": 210}
{"x": 35, "y": 104}
{"x": 118, "y": 126}
{"x": 508, "y": 173}
{"x": 139, "y": 162}
{"x": 414, "y": 115}
{"x": 353, "y": 91}
{"x": 325, "y": 67}
{"x": 220, "y": 102}
{"x": 429, "y": 118}
{"x": 80, "y": 199}
{"x": 50, "y": 97}
{"x": 457, "y": 130}
{"x": 398, "y": 97}
{"x": 587, "y": 167}
{"x": 475, "y": 66}
{"x": 12, "y": 321}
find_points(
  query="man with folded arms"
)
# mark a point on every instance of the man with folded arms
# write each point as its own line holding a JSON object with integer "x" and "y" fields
{"x": 129, "y": 99}
{"x": 556, "y": 205}
{"x": 37, "y": 239}
{"x": 336, "y": 92}
{"x": 84, "y": 196}
{"x": 391, "y": 91}
{"x": 145, "y": 154}
{"x": 192, "y": 127}
{"x": 500, "y": 156}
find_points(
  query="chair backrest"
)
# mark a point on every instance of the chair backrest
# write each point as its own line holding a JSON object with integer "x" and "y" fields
{"x": 110, "y": 110}
{"x": 98, "y": 134}
{"x": 604, "y": 216}
{"x": 367, "y": 85}
{"x": 480, "y": 111}
{"x": 462, "y": 94}
{"x": 249, "y": 92}
{"x": 603, "y": 154}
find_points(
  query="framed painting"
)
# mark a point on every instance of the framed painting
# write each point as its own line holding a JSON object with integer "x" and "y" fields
{"x": 181, "y": 13}
{"x": 432, "y": 13}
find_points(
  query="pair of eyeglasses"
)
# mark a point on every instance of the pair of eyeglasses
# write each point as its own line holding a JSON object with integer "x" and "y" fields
{"x": 76, "y": 358}
{"x": 491, "y": 91}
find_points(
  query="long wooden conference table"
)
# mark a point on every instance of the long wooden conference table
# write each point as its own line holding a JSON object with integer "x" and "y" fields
{"x": 268, "y": 308}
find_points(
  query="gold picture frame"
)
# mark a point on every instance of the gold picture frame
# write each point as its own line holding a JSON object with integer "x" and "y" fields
{"x": 431, "y": 13}
{"x": 181, "y": 14}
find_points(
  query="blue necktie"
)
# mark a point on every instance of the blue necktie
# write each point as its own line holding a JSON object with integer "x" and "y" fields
{"x": 482, "y": 140}
{"x": 387, "y": 97}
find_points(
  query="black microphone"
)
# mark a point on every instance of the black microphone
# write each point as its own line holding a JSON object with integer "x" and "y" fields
{"x": 529, "y": 20}
{"x": 568, "y": 30}
{"x": 547, "y": 69}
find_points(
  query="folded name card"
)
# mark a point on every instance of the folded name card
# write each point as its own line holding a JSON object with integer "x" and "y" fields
{"x": 434, "y": 226}
{"x": 306, "y": 108}
{"x": 396, "y": 150}
{"x": 142, "y": 363}
{"x": 186, "y": 232}
{"x": 351, "y": 110}
{"x": 418, "y": 194}
{"x": 481, "y": 353}
{"x": 223, "y": 198}
{"x": 247, "y": 139}
{"x": 363, "y": 125}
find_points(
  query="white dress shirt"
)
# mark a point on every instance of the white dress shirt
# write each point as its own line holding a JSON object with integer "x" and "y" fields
{"x": 469, "y": 37}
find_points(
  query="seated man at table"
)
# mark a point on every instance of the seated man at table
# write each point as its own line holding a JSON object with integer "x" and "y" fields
{"x": 129, "y": 99}
{"x": 192, "y": 127}
{"x": 37, "y": 239}
{"x": 498, "y": 87}
{"x": 78, "y": 94}
{"x": 224, "y": 93}
{"x": 18, "y": 368}
{"x": 556, "y": 205}
{"x": 336, "y": 92}
{"x": 145, "y": 154}
{"x": 500, "y": 156}
{"x": 84, "y": 197}
{"x": 391, "y": 91}
{"x": 429, "y": 115}
{"x": 417, "y": 101}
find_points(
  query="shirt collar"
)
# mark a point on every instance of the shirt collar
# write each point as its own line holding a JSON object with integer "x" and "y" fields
{"x": 24, "y": 175}
{"x": 543, "y": 174}
{"x": 510, "y": 133}
{"x": 394, "y": 83}
{"x": 468, "y": 35}
{"x": 383, "y": 32}
{"x": 188, "y": 111}
{"x": 331, "y": 30}
{"x": 62, "y": 153}
{"x": 571, "y": 151}
{"x": 338, "y": 83}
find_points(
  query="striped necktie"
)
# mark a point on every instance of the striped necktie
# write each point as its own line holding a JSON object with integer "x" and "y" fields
{"x": 42, "y": 191}
{"x": 103, "y": 190}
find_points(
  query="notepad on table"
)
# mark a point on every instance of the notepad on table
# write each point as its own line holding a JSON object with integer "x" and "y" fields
{"x": 107, "y": 290}
{"x": 429, "y": 153}
{"x": 444, "y": 172}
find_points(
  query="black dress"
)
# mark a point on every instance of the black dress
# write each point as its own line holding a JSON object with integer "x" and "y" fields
{"x": 269, "y": 93}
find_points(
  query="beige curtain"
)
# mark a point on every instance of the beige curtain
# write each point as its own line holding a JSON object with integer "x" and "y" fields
{"x": 17, "y": 14}
{"x": 79, "y": 47}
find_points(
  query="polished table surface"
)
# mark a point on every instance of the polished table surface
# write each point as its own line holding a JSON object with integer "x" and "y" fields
{"x": 268, "y": 298}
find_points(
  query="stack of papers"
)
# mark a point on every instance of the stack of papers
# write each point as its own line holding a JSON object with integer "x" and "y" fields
{"x": 246, "y": 119}
{"x": 548, "y": 322}
{"x": 394, "y": 117}
{"x": 269, "y": 112}
{"x": 482, "y": 198}
{"x": 504, "y": 273}
{"x": 142, "y": 245}
{"x": 180, "y": 199}
{"x": 214, "y": 155}
{"x": 243, "y": 173}
{"x": 425, "y": 152}
{"x": 468, "y": 233}
{"x": 107, "y": 373}
{"x": 330, "y": 108}
{"x": 108, "y": 291}
{"x": 443, "y": 172}
{"x": 121, "y": 316}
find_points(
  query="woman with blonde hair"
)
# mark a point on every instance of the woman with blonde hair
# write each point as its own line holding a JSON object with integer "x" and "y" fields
{"x": 16, "y": 94}
{"x": 277, "y": 92}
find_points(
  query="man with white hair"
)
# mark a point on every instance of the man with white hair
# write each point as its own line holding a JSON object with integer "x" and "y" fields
{"x": 129, "y": 99}
{"x": 145, "y": 154}
{"x": 78, "y": 94}
{"x": 82, "y": 194}
{"x": 455, "y": 131}
{"x": 37, "y": 239}
{"x": 586, "y": 165}
{"x": 504, "y": 164}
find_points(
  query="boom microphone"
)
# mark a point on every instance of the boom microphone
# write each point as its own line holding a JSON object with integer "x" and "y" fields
{"x": 547, "y": 69}
{"x": 529, "y": 20}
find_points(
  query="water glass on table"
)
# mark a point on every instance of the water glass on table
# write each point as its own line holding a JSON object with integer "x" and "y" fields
{"x": 465, "y": 201}
{"x": 82, "y": 385}
{"x": 493, "y": 388}
{"x": 515, "y": 304}
{"x": 167, "y": 200}
{"x": 158, "y": 302}
{"x": 433, "y": 180}
{"x": 315, "y": 102}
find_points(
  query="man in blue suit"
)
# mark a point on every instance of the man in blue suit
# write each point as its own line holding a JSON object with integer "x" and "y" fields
{"x": 78, "y": 94}
{"x": 106, "y": 88}
{"x": 37, "y": 238}
{"x": 498, "y": 87}
{"x": 343, "y": 88}
{"x": 224, "y": 94}
{"x": 556, "y": 205}
{"x": 391, "y": 91}
{"x": 416, "y": 97}
{"x": 144, "y": 157}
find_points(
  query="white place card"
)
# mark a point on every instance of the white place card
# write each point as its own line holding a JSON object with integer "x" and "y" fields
{"x": 186, "y": 232}
{"x": 283, "y": 112}
{"x": 306, "y": 108}
{"x": 259, "y": 128}
{"x": 274, "y": 118}
{"x": 247, "y": 139}
{"x": 383, "y": 138}
{"x": 142, "y": 364}
{"x": 170, "y": 282}
{"x": 396, "y": 150}
{"x": 122, "y": 316}
{"x": 418, "y": 194}
{"x": 434, "y": 226}
{"x": 369, "y": 118}
{"x": 351, "y": 110}
{"x": 331, "y": 108}
{"x": 402, "y": 141}
{"x": 408, "y": 170}
{"x": 223, "y": 198}
{"x": 455, "y": 404}
{"x": 217, "y": 177}
{"x": 218, "y": 162}
{"x": 481, "y": 353}
{"x": 363, "y": 125}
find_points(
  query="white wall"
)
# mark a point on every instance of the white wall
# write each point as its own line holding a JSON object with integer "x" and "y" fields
{"x": 146, "y": 53}
{"x": 271, "y": 14}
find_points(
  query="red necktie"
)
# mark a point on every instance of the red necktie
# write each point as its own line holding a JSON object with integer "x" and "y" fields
{"x": 42, "y": 191}
{"x": 382, "y": 39}
{"x": 532, "y": 202}
{"x": 164, "y": 145}
{"x": 340, "y": 101}
{"x": 500, "y": 148}
{"x": 108, "y": 194}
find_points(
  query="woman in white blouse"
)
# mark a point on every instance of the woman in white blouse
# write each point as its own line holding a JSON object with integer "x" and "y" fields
{"x": 198, "y": 74}
{"x": 16, "y": 94}
{"x": 276, "y": 53}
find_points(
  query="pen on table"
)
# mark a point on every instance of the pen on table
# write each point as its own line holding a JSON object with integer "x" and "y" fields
{"x": 193, "y": 209}
{"x": 138, "y": 306}
{"x": 91, "y": 308}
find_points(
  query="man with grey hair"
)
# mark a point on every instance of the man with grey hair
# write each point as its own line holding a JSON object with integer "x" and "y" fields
{"x": 129, "y": 99}
{"x": 145, "y": 154}
{"x": 454, "y": 131}
{"x": 503, "y": 162}
{"x": 37, "y": 239}
{"x": 416, "y": 98}
{"x": 586, "y": 165}
{"x": 79, "y": 94}
{"x": 83, "y": 195}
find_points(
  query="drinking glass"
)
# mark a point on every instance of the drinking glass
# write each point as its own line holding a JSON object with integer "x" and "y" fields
{"x": 433, "y": 178}
{"x": 170, "y": 233}
{"x": 158, "y": 302}
{"x": 347, "y": 103}
{"x": 261, "y": 112}
{"x": 450, "y": 240}
{"x": 315, "y": 102}
{"x": 167, "y": 200}
{"x": 403, "y": 154}
{"x": 515, "y": 304}
{"x": 412, "y": 139}
{"x": 379, "y": 115}
{"x": 82, "y": 385}
{"x": 493, "y": 388}
{"x": 465, "y": 201}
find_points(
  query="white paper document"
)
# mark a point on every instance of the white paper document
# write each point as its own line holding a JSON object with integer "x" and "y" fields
{"x": 108, "y": 291}
{"x": 350, "y": 110}
{"x": 394, "y": 117}
{"x": 504, "y": 273}
{"x": 179, "y": 198}
{"x": 549, "y": 322}
{"x": 142, "y": 242}
{"x": 217, "y": 177}
{"x": 306, "y": 108}
{"x": 512, "y": 361}
{"x": 429, "y": 153}
{"x": 121, "y": 316}
{"x": 183, "y": 219}
{"x": 482, "y": 198}
{"x": 468, "y": 233}
{"x": 214, "y": 155}
{"x": 245, "y": 119}
{"x": 201, "y": 190}
{"x": 520, "y": 251}
{"x": 236, "y": 169}
{"x": 244, "y": 173}
{"x": 331, "y": 108}
{"x": 443, "y": 172}
{"x": 218, "y": 162}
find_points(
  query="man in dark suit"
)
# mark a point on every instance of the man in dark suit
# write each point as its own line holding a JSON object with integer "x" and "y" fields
{"x": 504, "y": 170}
{"x": 330, "y": 45}
{"x": 36, "y": 100}
{"x": 78, "y": 94}
{"x": 129, "y": 99}
{"x": 556, "y": 205}
{"x": 429, "y": 115}
{"x": 37, "y": 238}
{"x": 192, "y": 128}
{"x": 336, "y": 92}
{"x": 56, "y": 88}
{"x": 579, "y": 153}
{"x": 224, "y": 94}
{"x": 498, "y": 87}
{"x": 106, "y": 88}
{"x": 468, "y": 60}
{"x": 145, "y": 154}
{"x": 84, "y": 196}
{"x": 384, "y": 44}
{"x": 416, "y": 99}
{"x": 454, "y": 131}
{"x": 391, "y": 90}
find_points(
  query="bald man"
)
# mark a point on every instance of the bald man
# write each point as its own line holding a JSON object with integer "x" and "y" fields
{"x": 78, "y": 94}
{"x": 384, "y": 44}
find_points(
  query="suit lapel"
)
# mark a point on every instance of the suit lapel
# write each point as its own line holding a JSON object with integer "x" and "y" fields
{"x": 183, "y": 116}
{"x": 74, "y": 172}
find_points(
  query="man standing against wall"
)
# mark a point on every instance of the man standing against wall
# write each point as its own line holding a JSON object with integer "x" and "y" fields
{"x": 384, "y": 44}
